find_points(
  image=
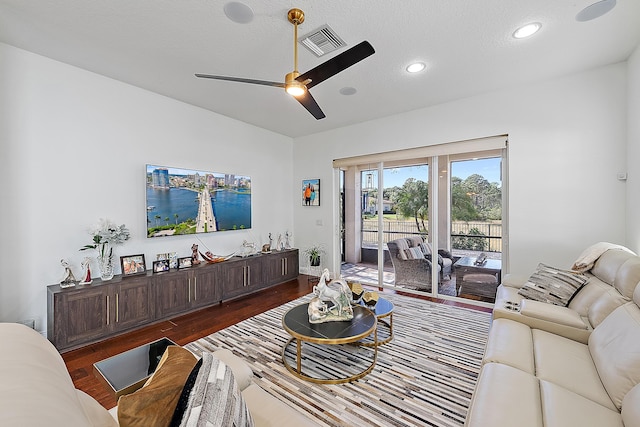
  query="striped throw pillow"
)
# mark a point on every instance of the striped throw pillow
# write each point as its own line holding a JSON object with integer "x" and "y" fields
{"x": 553, "y": 285}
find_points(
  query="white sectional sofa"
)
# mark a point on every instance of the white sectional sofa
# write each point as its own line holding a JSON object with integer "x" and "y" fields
{"x": 547, "y": 365}
{"x": 36, "y": 389}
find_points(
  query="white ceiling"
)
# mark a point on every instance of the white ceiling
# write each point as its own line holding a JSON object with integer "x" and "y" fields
{"x": 467, "y": 46}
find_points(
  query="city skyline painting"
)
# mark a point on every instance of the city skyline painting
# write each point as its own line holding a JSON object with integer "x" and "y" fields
{"x": 189, "y": 201}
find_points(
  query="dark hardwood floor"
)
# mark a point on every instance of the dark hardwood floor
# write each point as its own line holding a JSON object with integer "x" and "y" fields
{"x": 185, "y": 329}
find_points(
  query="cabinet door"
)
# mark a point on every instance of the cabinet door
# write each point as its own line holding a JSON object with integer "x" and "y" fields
{"x": 80, "y": 316}
{"x": 205, "y": 290}
{"x": 281, "y": 267}
{"x": 132, "y": 303}
{"x": 172, "y": 293}
{"x": 291, "y": 266}
{"x": 235, "y": 279}
{"x": 255, "y": 272}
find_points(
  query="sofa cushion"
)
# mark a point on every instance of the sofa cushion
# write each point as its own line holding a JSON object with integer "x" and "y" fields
{"x": 568, "y": 363}
{"x": 37, "y": 389}
{"x": 552, "y": 285}
{"x": 510, "y": 343}
{"x": 631, "y": 407}
{"x": 628, "y": 276}
{"x": 402, "y": 246}
{"x": 607, "y": 265}
{"x": 609, "y": 300}
{"x": 615, "y": 348}
{"x": 215, "y": 399}
{"x": 562, "y": 408}
{"x": 425, "y": 247}
{"x": 156, "y": 401}
{"x": 504, "y": 397}
{"x": 414, "y": 253}
{"x": 268, "y": 411}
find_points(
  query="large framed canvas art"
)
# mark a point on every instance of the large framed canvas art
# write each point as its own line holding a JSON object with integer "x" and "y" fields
{"x": 188, "y": 201}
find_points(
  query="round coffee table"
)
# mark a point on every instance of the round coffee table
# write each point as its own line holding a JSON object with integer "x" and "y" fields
{"x": 296, "y": 323}
{"x": 383, "y": 310}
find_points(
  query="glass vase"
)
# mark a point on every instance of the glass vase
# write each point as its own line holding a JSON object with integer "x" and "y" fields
{"x": 105, "y": 264}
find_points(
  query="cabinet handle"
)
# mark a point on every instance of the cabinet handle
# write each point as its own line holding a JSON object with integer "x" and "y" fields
{"x": 117, "y": 309}
{"x": 107, "y": 310}
{"x": 195, "y": 289}
{"x": 248, "y": 275}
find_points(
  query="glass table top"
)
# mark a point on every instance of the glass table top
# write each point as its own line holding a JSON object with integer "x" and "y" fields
{"x": 133, "y": 366}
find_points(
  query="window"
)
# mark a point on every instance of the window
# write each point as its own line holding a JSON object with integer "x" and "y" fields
{"x": 454, "y": 199}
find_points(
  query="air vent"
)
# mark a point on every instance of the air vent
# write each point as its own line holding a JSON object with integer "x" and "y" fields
{"x": 322, "y": 41}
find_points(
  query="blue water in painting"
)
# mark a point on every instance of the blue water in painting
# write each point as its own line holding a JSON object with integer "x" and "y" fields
{"x": 230, "y": 208}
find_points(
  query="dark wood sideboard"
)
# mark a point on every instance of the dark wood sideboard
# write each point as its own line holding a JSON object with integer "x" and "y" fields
{"x": 85, "y": 314}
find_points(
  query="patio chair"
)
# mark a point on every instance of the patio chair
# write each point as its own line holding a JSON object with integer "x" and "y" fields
{"x": 412, "y": 267}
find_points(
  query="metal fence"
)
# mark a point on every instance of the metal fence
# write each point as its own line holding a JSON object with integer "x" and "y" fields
{"x": 488, "y": 232}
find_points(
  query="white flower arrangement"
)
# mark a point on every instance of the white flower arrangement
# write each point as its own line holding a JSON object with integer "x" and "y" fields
{"x": 105, "y": 235}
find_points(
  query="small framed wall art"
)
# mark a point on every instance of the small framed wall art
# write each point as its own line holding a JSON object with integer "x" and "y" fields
{"x": 132, "y": 265}
{"x": 311, "y": 192}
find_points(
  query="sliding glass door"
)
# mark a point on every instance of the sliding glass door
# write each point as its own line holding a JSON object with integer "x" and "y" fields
{"x": 449, "y": 205}
{"x": 476, "y": 225}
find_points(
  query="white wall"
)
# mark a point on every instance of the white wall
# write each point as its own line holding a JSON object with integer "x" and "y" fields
{"x": 74, "y": 149}
{"x": 567, "y": 142}
{"x": 633, "y": 153}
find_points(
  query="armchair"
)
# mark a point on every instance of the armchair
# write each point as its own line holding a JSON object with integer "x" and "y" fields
{"x": 445, "y": 259}
{"x": 411, "y": 267}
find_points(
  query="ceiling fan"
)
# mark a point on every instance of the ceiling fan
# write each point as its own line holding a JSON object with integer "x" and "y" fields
{"x": 297, "y": 84}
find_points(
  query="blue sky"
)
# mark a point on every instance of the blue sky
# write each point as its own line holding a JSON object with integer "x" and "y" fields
{"x": 488, "y": 168}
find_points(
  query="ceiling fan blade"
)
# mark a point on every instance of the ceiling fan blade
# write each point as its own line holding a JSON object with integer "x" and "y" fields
{"x": 241, "y": 80}
{"x": 337, "y": 64}
{"x": 311, "y": 105}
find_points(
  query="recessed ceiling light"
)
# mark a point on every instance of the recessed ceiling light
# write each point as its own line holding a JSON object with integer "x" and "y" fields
{"x": 238, "y": 12}
{"x": 416, "y": 67}
{"x": 596, "y": 10}
{"x": 348, "y": 90}
{"x": 527, "y": 30}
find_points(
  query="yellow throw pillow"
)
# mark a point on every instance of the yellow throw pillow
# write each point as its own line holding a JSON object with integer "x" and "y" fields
{"x": 155, "y": 402}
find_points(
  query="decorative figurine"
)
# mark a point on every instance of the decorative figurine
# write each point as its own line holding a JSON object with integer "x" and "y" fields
{"x": 270, "y": 241}
{"x": 287, "y": 240}
{"x": 336, "y": 292}
{"x": 68, "y": 279}
{"x": 266, "y": 248}
{"x": 248, "y": 249}
{"x": 195, "y": 256}
{"x": 279, "y": 245}
{"x": 86, "y": 272}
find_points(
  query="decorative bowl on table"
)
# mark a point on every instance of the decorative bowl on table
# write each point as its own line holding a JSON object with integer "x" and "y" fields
{"x": 356, "y": 291}
{"x": 370, "y": 299}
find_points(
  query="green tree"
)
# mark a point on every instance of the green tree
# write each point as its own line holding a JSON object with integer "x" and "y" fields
{"x": 462, "y": 207}
{"x": 413, "y": 201}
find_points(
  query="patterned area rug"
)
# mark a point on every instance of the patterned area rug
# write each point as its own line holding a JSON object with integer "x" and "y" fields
{"x": 424, "y": 377}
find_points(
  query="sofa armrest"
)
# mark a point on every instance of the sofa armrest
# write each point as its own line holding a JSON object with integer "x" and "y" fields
{"x": 514, "y": 280}
{"x": 552, "y": 313}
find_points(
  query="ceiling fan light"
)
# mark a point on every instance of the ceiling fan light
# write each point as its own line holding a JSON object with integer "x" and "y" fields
{"x": 527, "y": 30}
{"x": 295, "y": 89}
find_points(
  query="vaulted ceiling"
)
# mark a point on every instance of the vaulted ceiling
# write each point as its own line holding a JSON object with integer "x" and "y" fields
{"x": 467, "y": 46}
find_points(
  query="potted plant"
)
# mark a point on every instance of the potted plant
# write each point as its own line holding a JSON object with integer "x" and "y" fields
{"x": 314, "y": 252}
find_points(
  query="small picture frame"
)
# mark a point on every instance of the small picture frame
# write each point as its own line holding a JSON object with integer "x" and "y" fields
{"x": 133, "y": 265}
{"x": 185, "y": 262}
{"x": 161, "y": 266}
{"x": 171, "y": 256}
{"x": 311, "y": 192}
